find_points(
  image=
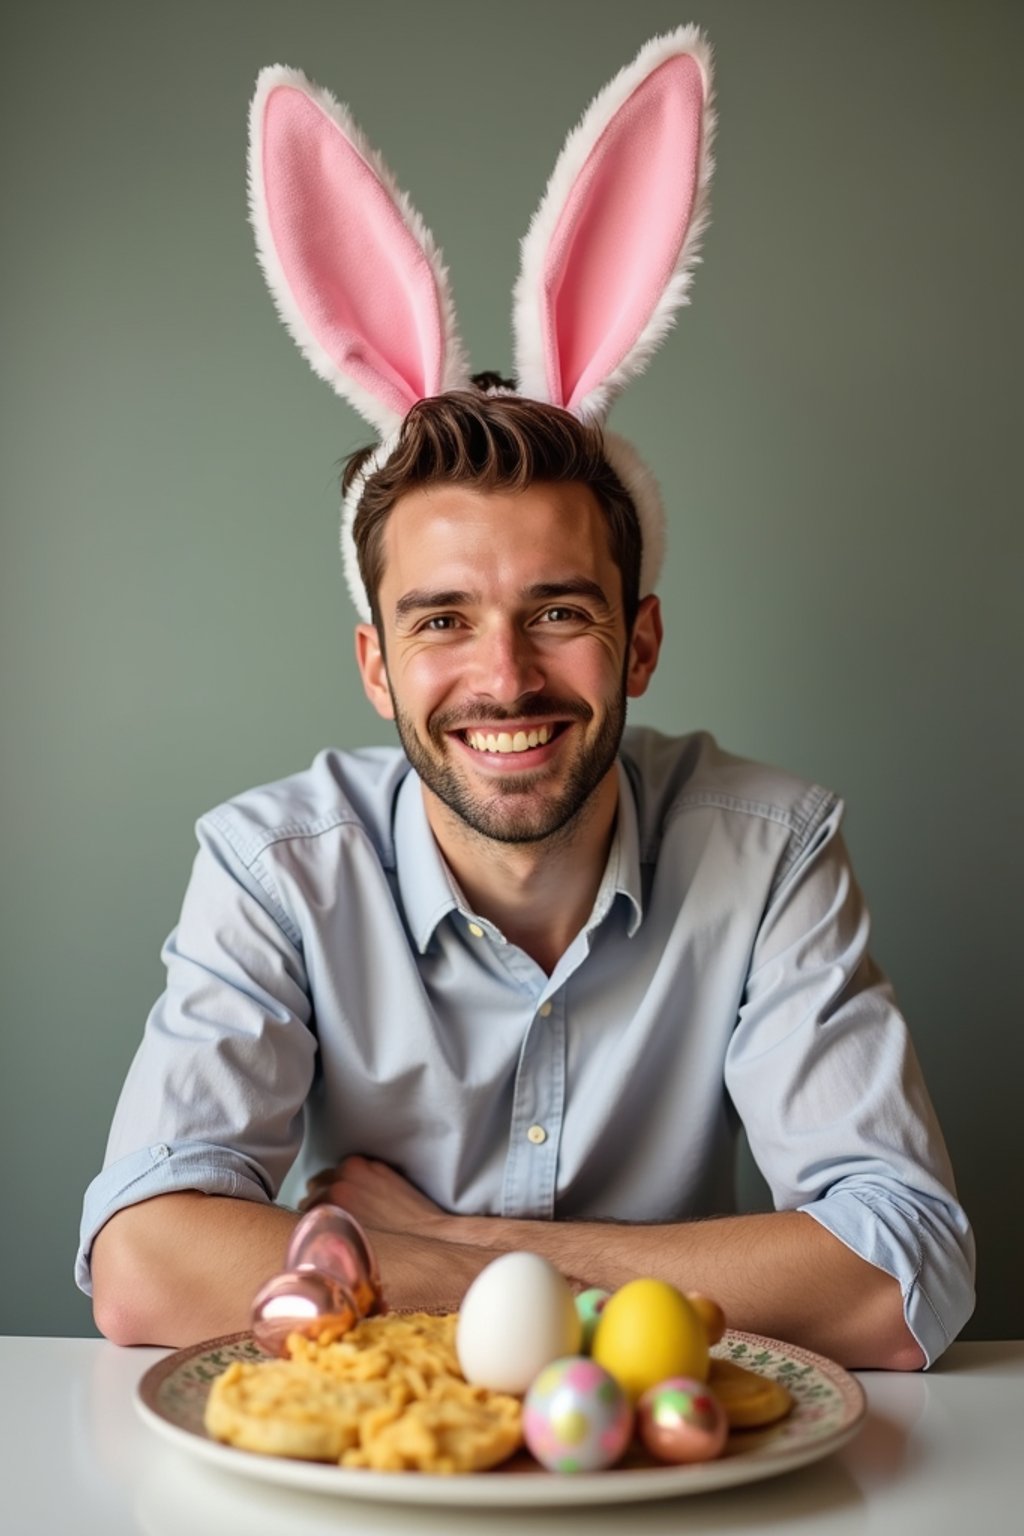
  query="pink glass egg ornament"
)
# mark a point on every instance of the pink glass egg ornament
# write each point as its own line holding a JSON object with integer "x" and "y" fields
{"x": 300, "y": 1301}
{"x": 330, "y": 1239}
{"x": 680, "y": 1420}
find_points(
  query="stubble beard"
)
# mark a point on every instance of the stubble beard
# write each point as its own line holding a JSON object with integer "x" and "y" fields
{"x": 497, "y": 815}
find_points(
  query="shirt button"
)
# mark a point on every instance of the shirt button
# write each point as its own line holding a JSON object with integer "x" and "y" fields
{"x": 544, "y": 1010}
{"x": 536, "y": 1134}
{"x": 476, "y": 930}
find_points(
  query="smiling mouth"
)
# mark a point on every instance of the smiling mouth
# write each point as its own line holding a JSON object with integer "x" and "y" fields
{"x": 510, "y": 741}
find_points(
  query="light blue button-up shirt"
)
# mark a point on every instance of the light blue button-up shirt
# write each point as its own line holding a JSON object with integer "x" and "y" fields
{"x": 330, "y": 992}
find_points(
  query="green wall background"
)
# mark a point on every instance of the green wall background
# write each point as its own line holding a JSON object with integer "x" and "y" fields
{"x": 836, "y": 422}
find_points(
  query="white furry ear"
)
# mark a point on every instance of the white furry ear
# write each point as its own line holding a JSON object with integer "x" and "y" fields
{"x": 609, "y": 254}
{"x": 354, "y": 272}
{"x": 645, "y": 494}
{"x": 349, "y": 507}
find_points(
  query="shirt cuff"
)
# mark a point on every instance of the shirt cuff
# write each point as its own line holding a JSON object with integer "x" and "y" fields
{"x": 161, "y": 1169}
{"x": 924, "y": 1243}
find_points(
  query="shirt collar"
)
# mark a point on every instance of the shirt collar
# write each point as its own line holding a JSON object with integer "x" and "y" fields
{"x": 622, "y": 872}
{"x": 429, "y": 890}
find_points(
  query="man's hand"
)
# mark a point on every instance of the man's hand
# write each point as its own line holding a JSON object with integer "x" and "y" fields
{"x": 380, "y": 1199}
{"x": 421, "y": 1264}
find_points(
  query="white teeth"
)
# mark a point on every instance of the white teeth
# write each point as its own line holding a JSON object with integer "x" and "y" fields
{"x": 522, "y": 741}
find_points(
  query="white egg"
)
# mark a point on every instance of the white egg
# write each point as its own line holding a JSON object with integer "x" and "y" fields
{"x": 517, "y": 1316}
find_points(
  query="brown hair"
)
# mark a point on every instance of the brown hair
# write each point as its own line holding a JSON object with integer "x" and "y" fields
{"x": 492, "y": 442}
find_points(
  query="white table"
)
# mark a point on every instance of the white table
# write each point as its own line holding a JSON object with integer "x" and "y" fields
{"x": 940, "y": 1453}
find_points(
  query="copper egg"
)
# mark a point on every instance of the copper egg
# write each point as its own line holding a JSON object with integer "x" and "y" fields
{"x": 302, "y": 1301}
{"x": 680, "y": 1420}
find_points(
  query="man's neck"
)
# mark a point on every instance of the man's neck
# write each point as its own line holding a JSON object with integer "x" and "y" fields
{"x": 538, "y": 894}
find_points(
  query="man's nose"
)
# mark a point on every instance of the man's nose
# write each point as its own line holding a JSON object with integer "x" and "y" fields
{"x": 506, "y": 664}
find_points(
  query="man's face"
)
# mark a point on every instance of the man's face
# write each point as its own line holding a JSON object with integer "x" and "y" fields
{"x": 507, "y": 659}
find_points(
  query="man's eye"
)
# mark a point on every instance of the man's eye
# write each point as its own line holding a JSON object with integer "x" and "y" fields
{"x": 560, "y": 615}
{"x": 439, "y": 622}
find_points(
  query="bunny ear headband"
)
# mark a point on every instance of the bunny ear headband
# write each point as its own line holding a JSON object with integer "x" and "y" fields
{"x": 359, "y": 281}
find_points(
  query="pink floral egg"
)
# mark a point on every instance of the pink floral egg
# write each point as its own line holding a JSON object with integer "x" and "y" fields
{"x": 576, "y": 1417}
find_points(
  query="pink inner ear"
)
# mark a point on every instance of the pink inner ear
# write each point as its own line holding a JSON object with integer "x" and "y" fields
{"x": 359, "y": 278}
{"x": 620, "y": 233}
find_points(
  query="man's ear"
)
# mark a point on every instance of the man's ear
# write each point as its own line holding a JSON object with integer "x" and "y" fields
{"x": 372, "y": 670}
{"x": 644, "y": 647}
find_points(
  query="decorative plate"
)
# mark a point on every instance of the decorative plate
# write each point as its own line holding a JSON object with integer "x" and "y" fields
{"x": 829, "y": 1407}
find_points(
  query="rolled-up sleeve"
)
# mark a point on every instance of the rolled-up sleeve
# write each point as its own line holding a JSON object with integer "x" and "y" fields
{"x": 823, "y": 1073}
{"x": 214, "y": 1098}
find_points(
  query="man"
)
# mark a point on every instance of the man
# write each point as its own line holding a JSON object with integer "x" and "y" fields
{"x": 523, "y": 975}
{"x": 515, "y": 985}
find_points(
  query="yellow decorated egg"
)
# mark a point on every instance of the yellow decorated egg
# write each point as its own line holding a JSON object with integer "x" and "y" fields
{"x": 647, "y": 1332}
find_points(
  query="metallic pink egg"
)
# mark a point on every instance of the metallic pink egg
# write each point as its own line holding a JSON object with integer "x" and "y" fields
{"x": 681, "y": 1420}
{"x": 300, "y": 1301}
{"x": 330, "y": 1240}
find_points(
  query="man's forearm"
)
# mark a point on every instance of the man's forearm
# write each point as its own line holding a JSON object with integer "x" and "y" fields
{"x": 184, "y": 1267}
{"x": 780, "y": 1274}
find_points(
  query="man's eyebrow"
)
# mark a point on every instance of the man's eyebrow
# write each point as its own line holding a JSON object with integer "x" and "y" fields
{"x": 420, "y": 598}
{"x": 572, "y": 586}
